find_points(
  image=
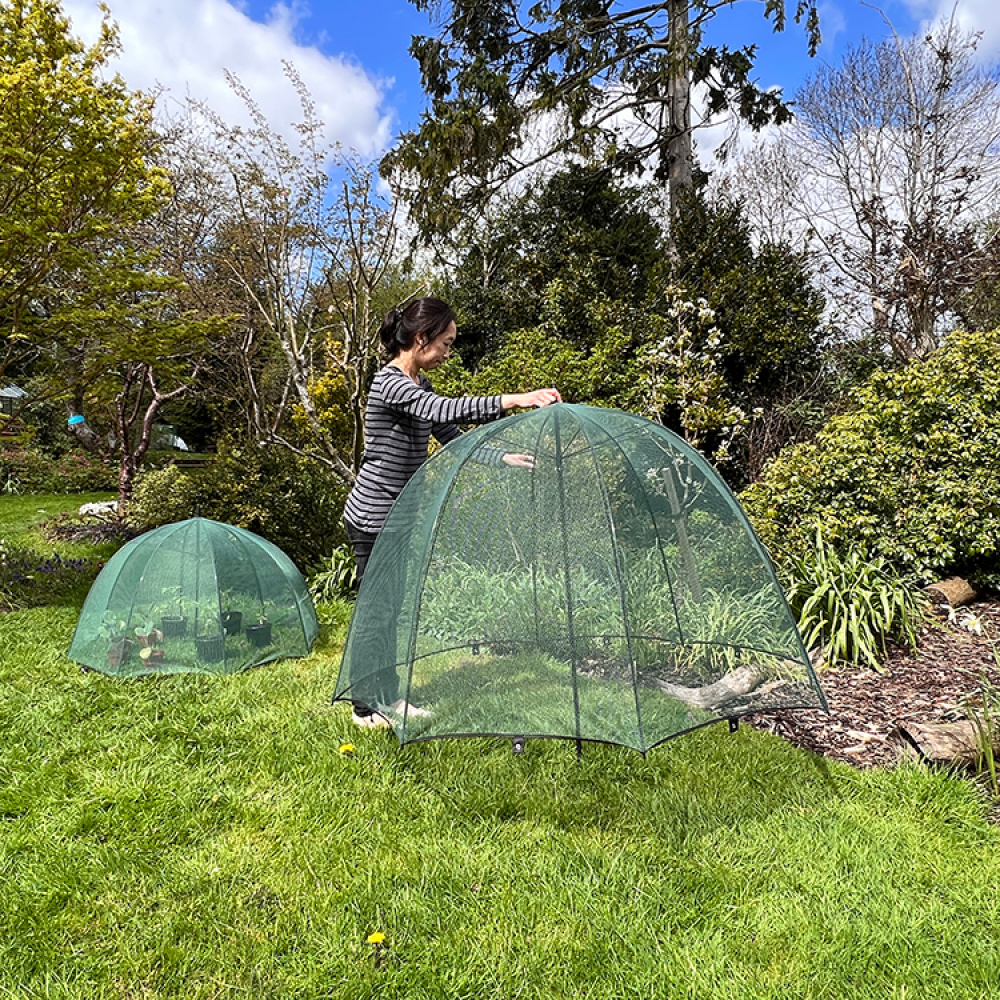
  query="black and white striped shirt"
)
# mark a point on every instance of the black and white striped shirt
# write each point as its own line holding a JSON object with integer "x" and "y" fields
{"x": 399, "y": 421}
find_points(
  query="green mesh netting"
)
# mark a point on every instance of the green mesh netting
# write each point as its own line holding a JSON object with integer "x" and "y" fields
{"x": 615, "y": 592}
{"x": 196, "y": 596}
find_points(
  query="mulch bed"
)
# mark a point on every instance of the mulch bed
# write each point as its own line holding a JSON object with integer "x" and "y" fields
{"x": 79, "y": 528}
{"x": 868, "y": 707}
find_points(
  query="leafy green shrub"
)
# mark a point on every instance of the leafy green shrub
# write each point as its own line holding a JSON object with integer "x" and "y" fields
{"x": 161, "y": 496}
{"x": 911, "y": 475}
{"x": 852, "y": 605}
{"x": 26, "y": 470}
{"x": 292, "y": 502}
{"x": 338, "y": 578}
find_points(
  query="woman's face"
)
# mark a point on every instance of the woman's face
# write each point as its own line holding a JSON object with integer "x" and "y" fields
{"x": 436, "y": 351}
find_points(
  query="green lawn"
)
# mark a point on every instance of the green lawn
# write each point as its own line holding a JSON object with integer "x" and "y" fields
{"x": 21, "y": 515}
{"x": 206, "y": 837}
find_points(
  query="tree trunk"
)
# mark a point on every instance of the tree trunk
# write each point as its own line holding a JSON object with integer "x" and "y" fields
{"x": 733, "y": 685}
{"x": 677, "y": 143}
{"x": 954, "y": 592}
{"x": 80, "y": 429}
{"x": 139, "y": 379}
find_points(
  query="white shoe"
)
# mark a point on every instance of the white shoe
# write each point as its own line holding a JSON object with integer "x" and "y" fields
{"x": 373, "y": 721}
{"x": 403, "y": 708}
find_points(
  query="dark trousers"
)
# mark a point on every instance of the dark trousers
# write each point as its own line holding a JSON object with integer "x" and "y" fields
{"x": 381, "y": 687}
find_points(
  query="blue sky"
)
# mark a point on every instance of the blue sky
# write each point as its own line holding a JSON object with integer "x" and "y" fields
{"x": 353, "y": 54}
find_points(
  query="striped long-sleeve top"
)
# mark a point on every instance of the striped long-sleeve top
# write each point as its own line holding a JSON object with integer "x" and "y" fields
{"x": 399, "y": 421}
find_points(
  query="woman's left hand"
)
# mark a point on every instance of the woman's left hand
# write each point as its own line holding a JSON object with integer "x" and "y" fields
{"x": 520, "y": 461}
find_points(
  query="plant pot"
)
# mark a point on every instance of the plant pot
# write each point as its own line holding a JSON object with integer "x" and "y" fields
{"x": 174, "y": 625}
{"x": 151, "y": 657}
{"x": 119, "y": 651}
{"x": 259, "y": 635}
{"x": 232, "y": 622}
{"x": 151, "y": 638}
{"x": 210, "y": 648}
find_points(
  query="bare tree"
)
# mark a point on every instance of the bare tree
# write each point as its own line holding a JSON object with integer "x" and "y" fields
{"x": 891, "y": 169}
{"x": 299, "y": 240}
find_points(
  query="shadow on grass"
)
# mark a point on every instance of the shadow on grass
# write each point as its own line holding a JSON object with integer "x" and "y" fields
{"x": 684, "y": 790}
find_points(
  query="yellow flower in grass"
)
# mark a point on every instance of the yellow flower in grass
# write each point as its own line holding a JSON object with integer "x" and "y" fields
{"x": 376, "y": 939}
{"x": 346, "y": 748}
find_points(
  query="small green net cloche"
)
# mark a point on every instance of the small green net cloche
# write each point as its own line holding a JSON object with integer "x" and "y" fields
{"x": 196, "y": 596}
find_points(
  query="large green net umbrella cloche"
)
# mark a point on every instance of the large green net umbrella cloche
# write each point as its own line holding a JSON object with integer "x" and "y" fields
{"x": 611, "y": 591}
{"x": 194, "y": 596}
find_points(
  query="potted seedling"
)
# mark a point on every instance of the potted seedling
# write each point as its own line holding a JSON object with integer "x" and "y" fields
{"x": 259, "y": 634}
{"x": 210, "y": 648}
{"x": 151, "y": 657}
{"x": 173, "y": 623}
{"x": 209, "y": 639}
{"x": 147, "y": 634}
{"x": 232, "y": 618}
{"x": 232, "y": 622}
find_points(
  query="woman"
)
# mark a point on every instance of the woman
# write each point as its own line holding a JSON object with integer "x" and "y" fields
{"x": 403, "y": 413}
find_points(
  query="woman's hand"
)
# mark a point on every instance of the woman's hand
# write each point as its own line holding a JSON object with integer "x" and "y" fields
{"x": 519, "y": 461}
{"x": 527, "y": 400}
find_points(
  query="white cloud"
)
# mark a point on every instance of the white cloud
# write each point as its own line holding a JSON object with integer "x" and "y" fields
{"x": 832, "y": 25}
{"x": 184, "y": 46}
{"x": 981, "y": 16}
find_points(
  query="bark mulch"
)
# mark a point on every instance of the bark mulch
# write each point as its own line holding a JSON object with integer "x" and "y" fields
{"x": 867, "y": 706}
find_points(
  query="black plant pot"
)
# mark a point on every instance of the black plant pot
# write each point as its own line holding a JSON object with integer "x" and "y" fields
{"x": 173, "y": 625}
{"x": 259, "y": 635}
{"x": 232, "y": 622}
{"x": 210, "y": 648}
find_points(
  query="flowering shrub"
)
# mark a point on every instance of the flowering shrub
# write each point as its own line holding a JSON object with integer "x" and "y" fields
{"x": 25, "y": 470}
{"x": 683, "y": 369}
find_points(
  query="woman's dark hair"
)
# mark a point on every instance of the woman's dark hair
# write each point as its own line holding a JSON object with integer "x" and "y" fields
{"x": 428, "y": 315}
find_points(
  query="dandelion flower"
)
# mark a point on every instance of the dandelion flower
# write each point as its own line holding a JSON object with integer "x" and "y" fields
{"x": 376, "y": 939}
{"x": 346, "y": 748}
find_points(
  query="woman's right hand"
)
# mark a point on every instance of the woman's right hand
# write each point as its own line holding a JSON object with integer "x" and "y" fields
{"x": 527, "y": 400}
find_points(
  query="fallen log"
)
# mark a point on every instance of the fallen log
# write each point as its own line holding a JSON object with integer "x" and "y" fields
{"x": 954, "y": 592}
{"x": 944, "y": 743}
{"x": 735, "y": 684}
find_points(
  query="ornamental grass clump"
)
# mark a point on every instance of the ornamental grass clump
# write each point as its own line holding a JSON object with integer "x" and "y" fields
{"x": 852, "y": 604}
{"x": 986, "y": 723}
